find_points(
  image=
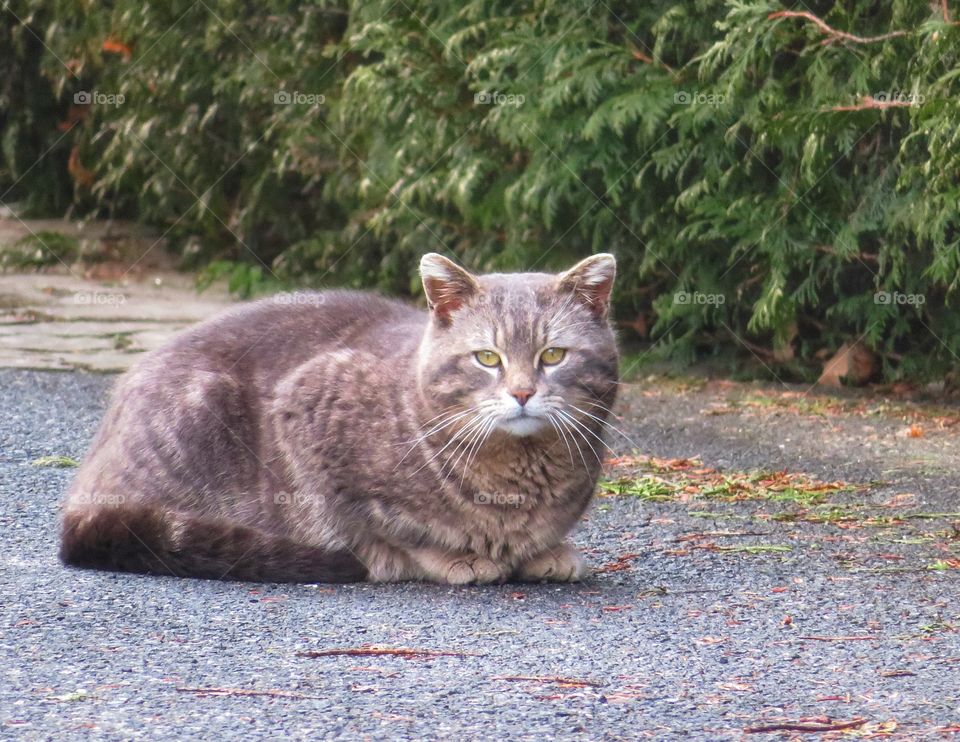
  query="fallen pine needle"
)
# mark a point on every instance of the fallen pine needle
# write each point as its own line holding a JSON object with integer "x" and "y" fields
{"x": 840, "y": 638}
{"x": 806, "y": 726}
{"x": 563, "y": 682}
{"x": 619, "y": 564}
{"x": 245, "y": 692}
{"x": 405, "y": 653}
{"x": 714, "y": 534}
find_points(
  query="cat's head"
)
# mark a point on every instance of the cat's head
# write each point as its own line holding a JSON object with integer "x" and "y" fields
{"x": 523, "y": 353}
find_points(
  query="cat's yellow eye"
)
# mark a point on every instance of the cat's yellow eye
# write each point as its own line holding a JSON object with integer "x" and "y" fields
{"x": 552, "y": 356}
{"x": 488, "y": 358}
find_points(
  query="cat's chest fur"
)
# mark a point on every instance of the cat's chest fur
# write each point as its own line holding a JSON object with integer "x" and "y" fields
{"x": 343, "y": 425}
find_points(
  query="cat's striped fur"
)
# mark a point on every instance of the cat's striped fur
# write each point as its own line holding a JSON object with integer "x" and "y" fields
{"x": 341, "y": 436}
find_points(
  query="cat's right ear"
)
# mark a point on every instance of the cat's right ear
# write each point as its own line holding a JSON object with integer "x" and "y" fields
{"x": 446, "y": 285}
{"x": 591, "y": 280}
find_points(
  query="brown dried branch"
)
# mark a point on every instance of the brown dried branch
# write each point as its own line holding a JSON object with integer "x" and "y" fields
{"x": 868, "y": 102}
{"x": 563, "y": 682}
{"x": 762, "y": 353}
{"x": 832, "y": 33}
{"x": 647, "y": 59}
{"x": 245, "y": 692}
{"x": 840, "y": 638}
{"x": 806, "y": 726}
{"x": 945, "y": 8}
{"x": 407, "y": 654}
{"x": 829, "y": 250}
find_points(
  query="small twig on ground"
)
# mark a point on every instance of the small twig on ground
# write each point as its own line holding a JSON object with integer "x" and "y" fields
{"x": 897, "y": 673}
{"x": 405, "y": 653}
{"x": 245, "y": 692}
{"x": 806, "y": 726}
{"x": 840, "y": 638}
{"x": 563, "y": 682}
{"x": 714, "y": 534}
{"x": 832, "y": 33}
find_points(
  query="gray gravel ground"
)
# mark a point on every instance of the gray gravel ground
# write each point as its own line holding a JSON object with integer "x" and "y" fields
{"x": 690, "y": 640}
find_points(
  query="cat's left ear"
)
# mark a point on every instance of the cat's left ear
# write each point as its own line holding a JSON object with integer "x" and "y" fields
{"x": 591, "y": 280}
{"x": 447, "y": 286}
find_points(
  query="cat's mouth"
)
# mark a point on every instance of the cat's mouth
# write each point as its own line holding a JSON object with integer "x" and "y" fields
{"x": 522, "y": 423}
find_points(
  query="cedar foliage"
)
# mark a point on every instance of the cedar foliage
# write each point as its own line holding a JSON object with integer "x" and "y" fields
{"x": 802, "y": 166}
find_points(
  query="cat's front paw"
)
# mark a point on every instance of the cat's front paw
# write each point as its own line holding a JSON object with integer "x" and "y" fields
{"x": 473, "y": 570}
{"x": 563, "y": 563}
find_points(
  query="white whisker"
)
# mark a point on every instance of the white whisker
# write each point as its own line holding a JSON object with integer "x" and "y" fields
{"x": 572, "y": 325}
{"x": 435, "y": 429}
{"x": 610, "y": 426}
{"x": 573, "y": 435}
{"x": 564, "y": 311}
{"x": 477, "y": 432}
{"x": 458, "y": 436}
{"x": 487, "y": 430}
{"x": 561, "y": 432}
{"x": 484, "y": 434}
{"x": 581, "y": 427}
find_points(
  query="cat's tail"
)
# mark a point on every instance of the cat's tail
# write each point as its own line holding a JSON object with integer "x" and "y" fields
{"x": 139, "y": 538}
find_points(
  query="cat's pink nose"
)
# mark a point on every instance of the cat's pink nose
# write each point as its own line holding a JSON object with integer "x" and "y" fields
{"x": 522, "y": 395}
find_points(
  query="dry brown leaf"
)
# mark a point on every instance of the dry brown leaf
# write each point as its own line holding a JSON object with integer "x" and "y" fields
{"x": 620, "y": 564}
{"x": 854, "y": 364}
{"x": 736, "y": 686}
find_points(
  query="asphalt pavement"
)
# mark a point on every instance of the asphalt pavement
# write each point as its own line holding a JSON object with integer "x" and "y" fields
{"x": 709, "y": 617}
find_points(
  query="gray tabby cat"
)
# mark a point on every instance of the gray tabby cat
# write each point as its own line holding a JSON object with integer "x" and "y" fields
{"x": 340, "y": 436}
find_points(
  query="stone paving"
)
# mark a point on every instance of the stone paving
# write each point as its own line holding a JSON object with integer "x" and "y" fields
{"x": 99, "y": 316}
